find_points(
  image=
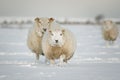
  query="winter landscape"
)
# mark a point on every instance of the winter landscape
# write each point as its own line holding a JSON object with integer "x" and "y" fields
{"x": 93, "y": 60}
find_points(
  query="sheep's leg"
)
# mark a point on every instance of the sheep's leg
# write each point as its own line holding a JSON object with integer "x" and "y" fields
{"x": 52, "y": 62}
{"x": 37, "y": 58}
{"x": 62, "y": 58}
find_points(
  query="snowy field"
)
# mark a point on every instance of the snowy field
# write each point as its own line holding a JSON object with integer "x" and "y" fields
{"x": 91, "y": 61}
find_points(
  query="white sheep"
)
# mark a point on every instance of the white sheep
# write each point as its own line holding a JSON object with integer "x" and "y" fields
{"x": 109, "y": 31}
{"x": 58, "y": 43}
{"x": 36, "y": 33}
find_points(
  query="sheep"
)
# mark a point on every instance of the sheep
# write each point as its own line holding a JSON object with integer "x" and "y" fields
{"x": 36, "y": 33}
{"x": 58, "y": 43}
{"x": 109, "y": 31}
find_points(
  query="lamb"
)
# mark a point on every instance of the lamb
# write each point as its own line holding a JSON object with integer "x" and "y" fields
{"x": 58, "y": 43}
{"x": 36, "y": 33}
{"x": 109, "y": 31}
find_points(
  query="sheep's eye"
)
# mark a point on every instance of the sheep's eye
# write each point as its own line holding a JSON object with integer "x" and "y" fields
{"x": 44, "y": 29}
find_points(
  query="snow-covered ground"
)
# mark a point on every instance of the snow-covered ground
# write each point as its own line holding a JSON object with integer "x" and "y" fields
{"x": 91, "y": 61}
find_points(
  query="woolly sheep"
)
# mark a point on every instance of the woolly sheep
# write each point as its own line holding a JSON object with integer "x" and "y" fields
{"x": 36, "y": 33}
{"x": 58, "y": 43}
{"x": 109, "y": 31}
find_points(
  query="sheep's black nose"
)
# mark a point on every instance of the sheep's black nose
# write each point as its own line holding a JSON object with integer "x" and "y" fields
{"x": 56, "y": 41}
{"x": 44, "y": 29}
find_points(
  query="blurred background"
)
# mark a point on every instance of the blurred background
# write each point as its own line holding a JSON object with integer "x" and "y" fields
{"x": 63, "y": 10}
{"x": 60, "y": 8}
{"x": 83, "y": 17}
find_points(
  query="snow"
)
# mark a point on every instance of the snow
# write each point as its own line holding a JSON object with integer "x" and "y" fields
{"x": 93, "y": 60}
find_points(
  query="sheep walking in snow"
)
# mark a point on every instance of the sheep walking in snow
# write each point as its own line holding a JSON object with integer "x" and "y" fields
{"x": 36, "y": 33}
{"x": 58, "y": 43}
{"x": 110, "y": 31}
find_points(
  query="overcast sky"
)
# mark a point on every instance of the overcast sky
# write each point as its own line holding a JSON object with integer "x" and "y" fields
{"x": 60, "y": 8}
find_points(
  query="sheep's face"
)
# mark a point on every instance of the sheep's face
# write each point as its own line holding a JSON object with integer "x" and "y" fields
{"x": 43, "y": 24}
{"x": 107, "y": 25}
{"x": 56, "y": 38}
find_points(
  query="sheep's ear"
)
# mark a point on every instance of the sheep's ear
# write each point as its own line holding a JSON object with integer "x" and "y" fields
{"x": 37, "y": 19}
{"x": 51, "y": 19}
